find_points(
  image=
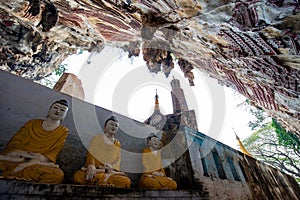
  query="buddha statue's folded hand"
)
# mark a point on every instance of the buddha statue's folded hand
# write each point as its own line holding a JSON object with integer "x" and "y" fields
{"x": 34, "y": 162}
{"x": 19, "y": 154}
{"x": 15, "y": 156}
{"x": 11, "y": 158}
{"x": 28, "y": 155}
{"x": 157, "y": 174}
{"x": 39, "y": 157}
{"x": 91, "y": 171}
{"x": 108, "y": 168}
{"x": 30, "y": 159}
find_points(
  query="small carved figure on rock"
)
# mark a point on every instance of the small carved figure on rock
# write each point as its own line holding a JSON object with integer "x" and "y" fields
{"x": 32, "y": 152}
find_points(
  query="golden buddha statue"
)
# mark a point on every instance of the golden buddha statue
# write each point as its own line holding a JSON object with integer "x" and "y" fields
{"x": 32, "y": 152}
{"x": 102, "y": 166}
{"x": 154, "y": 176}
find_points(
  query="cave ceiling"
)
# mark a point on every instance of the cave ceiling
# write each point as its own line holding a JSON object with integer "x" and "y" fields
{"x": 251, "y": 46}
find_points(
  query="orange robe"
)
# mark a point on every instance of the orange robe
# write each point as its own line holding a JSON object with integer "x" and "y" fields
{"x": 100, "y": 153}
{"x": 152, "y": 163}
{"x": 33, "y": 138}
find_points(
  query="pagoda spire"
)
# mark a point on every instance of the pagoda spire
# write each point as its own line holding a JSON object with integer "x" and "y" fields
{"x": 156, "y": 119}
{"x": 156, "y": 107}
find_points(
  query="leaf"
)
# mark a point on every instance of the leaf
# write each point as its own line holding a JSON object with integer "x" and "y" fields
{"x": 60, "y": 69}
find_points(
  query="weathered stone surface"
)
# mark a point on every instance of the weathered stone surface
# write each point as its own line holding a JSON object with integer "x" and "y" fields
{"x": 25, "y": 190}
{"x": 69, "y": 84}
{"x": 234, "y": 175}
{"x": 251, "y": 46}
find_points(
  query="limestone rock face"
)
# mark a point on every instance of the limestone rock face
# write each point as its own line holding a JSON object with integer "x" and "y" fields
{"x": 251, "y": 46}
{"x": 70, "y": 84}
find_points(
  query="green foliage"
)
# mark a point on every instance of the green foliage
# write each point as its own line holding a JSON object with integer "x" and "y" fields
{"x": 257, "y": 135}
{"x": 251, "y": 139}
{"x": 60, "y": 69}
{"x": 50, "y": 81}
{"x": 271, "y": 144}
{"x": 280, "y": 149}
{"x": 259, "y": 118}
{"x": 287, "y": 139}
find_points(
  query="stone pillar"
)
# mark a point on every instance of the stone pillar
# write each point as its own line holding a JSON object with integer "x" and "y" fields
{"x": 71, "y": 85}
{"x": 178, "y": 98}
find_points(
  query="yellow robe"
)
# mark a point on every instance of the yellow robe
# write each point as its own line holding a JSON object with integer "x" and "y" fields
{"x": 100, "y": 153}
{"x": 152, "y": 163}
{"x": 33, "y": 138}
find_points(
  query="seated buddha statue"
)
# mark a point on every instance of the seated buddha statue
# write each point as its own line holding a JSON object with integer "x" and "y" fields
{"x": 102, "y": 166}
{"x": 154, "y": 176}
{"x": 32, "y": 152}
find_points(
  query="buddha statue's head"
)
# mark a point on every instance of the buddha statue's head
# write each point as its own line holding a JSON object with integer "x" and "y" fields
{"x": 153, "y": 141}
{"x": 111, "y": 126}
{"x": 58, "y": 110}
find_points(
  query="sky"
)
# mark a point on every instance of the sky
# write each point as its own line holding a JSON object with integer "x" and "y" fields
{"x": 113, "y": 81}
